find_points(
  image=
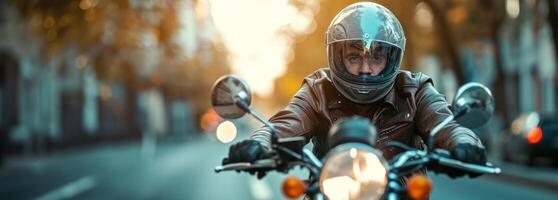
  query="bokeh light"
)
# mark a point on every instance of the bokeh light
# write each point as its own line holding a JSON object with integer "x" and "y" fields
{"x": 226, "y": 132}
{"x": 512, "y": 8}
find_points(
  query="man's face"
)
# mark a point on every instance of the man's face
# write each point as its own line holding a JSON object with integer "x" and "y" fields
{"x": 360, "y": 61}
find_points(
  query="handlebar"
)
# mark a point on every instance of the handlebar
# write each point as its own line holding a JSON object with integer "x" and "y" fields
{"x": 418, "y": 157}
{"x": 443, "y": 158}
{"x": 259, "y": 164}
{"x": 469, "y": 167}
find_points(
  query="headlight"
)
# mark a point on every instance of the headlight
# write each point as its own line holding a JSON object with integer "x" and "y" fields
{"x": 353, "y": 171}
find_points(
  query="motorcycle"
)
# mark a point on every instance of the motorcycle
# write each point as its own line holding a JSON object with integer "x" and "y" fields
{"x": 353, "y": 168}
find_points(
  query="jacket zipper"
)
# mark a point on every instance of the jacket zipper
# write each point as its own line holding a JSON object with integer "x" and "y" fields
{"x": 384, "y": 134}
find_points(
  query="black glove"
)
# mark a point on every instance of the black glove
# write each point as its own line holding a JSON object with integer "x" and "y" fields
{"x": 468, "y": 153}
{"x": 247, "y": 151}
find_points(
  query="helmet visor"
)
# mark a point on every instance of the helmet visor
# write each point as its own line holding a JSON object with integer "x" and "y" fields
{"x": 362, "y": 61}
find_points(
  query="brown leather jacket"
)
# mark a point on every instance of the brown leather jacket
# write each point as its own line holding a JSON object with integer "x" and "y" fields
{"x": 407, "y": 114}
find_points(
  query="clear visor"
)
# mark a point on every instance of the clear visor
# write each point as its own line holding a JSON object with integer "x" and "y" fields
{"x": 365, "y": 61}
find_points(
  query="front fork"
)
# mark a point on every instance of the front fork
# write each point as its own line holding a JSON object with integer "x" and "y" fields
{"x": 318, "y": 196}
{"x": 395, "y": 190}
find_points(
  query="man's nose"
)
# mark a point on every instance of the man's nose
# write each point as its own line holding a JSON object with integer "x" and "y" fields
{"x": 366, "y": 67}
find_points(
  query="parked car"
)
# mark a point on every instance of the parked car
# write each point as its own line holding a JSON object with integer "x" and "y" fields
{"x": 530, "y": 137}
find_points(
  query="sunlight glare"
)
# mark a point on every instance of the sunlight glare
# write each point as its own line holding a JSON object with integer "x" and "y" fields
{"x": 257, "y": 35}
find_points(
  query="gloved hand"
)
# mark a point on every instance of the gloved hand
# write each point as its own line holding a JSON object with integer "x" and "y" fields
{"x": 247, "y": 151}
{"x": 468, "y": 153}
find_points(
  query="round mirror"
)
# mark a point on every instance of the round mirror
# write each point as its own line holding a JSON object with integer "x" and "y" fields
{"x": 474, "y": 104}
{"x": 225, "y": 94}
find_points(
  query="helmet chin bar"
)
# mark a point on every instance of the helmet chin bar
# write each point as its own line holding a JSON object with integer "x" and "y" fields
{"x": 362, "y": 91}
{"x": 362, "y": 94}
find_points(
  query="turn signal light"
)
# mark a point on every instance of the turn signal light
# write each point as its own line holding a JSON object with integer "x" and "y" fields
{"x": 535, "y": 135}
{"x": 293, "y": 187}
{"x": 419, "y": 187}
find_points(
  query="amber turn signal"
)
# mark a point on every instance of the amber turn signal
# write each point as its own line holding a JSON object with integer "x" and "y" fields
{"x": 293, "y": 187}
{"x": 419, "y": 187}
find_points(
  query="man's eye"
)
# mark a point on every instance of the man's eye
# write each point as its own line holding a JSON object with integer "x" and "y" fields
{"x": 379, "y": 58}
{"x": 354, "y": 58}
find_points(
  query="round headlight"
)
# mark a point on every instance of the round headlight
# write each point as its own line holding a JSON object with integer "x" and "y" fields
{"x": 353, "y": 171}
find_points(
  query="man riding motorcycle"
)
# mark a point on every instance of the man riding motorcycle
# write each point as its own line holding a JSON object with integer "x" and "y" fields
{"x": 365, "y": 45}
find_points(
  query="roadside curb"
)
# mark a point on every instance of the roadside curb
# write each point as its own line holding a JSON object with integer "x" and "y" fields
{"x": 546, "y": 179}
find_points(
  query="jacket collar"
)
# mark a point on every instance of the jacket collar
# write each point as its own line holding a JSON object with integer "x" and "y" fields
{"x": 390, "y": 99}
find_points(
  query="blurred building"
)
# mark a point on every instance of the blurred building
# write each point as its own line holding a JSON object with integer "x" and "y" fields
{"x": 529, "y": 59}
{"x": 64, "y": 81}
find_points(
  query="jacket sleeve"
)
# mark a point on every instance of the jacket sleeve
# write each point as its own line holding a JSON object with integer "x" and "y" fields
{"x": 297, "y": 119}
{"x": 432, "y": 109}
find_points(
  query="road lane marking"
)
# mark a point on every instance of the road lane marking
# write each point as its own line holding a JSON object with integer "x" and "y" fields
{"x": 259, "y": 189}
{"x": 71, "y": 189}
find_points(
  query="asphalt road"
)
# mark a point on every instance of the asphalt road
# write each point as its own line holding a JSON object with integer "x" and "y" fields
{"x": 184, "y": 170}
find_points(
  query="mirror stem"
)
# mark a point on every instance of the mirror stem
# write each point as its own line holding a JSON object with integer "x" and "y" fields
{"x": 246, "y": 108}
{"x": 460, "y": 112}
{"x": 437, "y": 129}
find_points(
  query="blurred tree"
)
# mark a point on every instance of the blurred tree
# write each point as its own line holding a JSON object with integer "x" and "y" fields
{"x": 133, "y": 43}
{"x": 445, "y": 33}
{"x": 553, "y": 19}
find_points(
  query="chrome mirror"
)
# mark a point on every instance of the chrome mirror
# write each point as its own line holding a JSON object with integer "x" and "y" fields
{"x": 230, "y": 97}
{"x": 473, "y": 105}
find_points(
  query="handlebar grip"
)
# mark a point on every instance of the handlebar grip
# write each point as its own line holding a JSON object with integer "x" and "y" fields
{"x": 469, "y": 167}
{"x": 266, "y": 163}
{"x": 233, "y": 166}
